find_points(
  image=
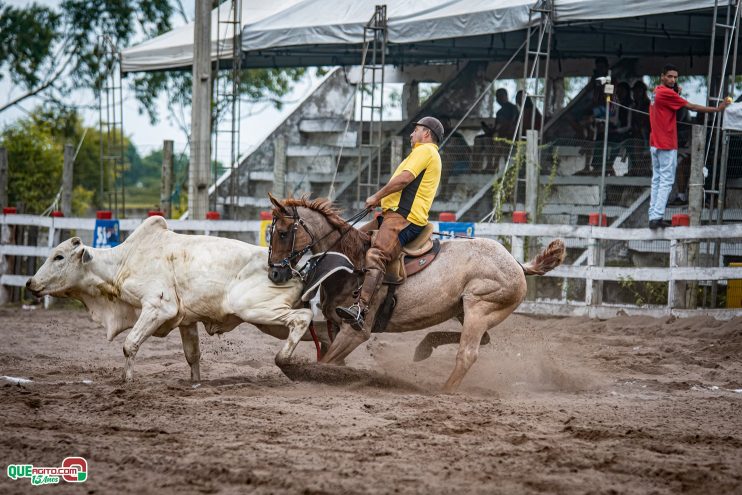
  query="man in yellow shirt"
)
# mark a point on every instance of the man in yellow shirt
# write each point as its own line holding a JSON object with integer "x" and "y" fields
{"x": 405, "y": 203}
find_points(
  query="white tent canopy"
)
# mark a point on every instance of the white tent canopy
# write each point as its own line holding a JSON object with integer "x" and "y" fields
{"x": 174, "y": 49}
{"x": 317, "y": 32}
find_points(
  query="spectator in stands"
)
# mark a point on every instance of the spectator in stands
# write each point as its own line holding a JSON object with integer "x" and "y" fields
{"x": 597, "y": 120}
{"x": 640, "y": 113}
{"x": 484, "y": 152}
{"x": 506, "y": 117}
{"x": 622, "y": 116}
{"x": 663, "y": 140}
{"x": 528, "y": 111}
{"x": 601, "y": 67}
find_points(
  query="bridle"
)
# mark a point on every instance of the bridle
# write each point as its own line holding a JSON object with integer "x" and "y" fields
{"x": 295, "y": 255}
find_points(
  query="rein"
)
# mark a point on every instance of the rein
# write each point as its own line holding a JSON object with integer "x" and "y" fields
{"x": 296, "y": 255}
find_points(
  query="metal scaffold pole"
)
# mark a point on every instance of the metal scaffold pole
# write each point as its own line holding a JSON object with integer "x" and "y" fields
{"x": 111, "y": 125}
{"x": 227, "y": 101}
{"x": 370, "y": 130}
{"x": 719, "y": 139}
{"x": 542, "y": 31}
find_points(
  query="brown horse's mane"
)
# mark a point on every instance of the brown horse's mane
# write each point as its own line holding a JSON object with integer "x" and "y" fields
{"x": 353, "y": 243}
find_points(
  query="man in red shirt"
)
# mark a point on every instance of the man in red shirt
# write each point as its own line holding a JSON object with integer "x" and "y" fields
{"x": 663, "y": 141}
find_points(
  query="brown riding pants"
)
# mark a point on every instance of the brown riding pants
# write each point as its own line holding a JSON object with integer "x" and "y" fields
{"x": 385, "y": 246}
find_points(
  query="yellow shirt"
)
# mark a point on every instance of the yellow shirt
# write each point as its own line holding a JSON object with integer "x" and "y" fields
{"x": 414, "y": 201}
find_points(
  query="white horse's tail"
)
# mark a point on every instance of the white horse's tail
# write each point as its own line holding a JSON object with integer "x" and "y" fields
{"x": 546, "y": 260}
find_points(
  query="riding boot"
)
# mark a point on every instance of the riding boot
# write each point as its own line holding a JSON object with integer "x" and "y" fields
{"x": 356, "y": 314}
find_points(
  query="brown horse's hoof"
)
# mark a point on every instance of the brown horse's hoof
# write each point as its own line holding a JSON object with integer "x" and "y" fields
{"x": 423, "y": 351}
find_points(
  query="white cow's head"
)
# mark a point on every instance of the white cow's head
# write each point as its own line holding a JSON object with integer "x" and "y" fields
{"x": 62, "y": 271}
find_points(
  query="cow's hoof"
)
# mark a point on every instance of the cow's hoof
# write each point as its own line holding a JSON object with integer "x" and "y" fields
{"x": 285, "y": 361}
{"x": 127, "y": 377}
{"x": 195, "y": 385}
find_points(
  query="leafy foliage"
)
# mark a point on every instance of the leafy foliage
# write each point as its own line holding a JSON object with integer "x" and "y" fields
{"x": 36, "y": 155}
{"x": 55, "y": 52}
{"x": 65, "y": 126}
{"x": 27, "y": 36}
{"x": 504, "y": 186}
{"x": 34, "y": 166}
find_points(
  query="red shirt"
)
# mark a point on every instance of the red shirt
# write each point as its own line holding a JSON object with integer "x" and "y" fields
{"x": 664, "y": 134}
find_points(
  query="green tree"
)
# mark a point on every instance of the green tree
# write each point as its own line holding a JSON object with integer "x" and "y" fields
{"x": 39, "y": 140}
{"x": 50, "y": 53}
{"x": 34, "y": 166}
{"x": 65, "y": 126}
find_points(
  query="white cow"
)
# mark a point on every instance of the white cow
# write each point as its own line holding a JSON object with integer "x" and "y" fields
{"x": 158, "y": 280}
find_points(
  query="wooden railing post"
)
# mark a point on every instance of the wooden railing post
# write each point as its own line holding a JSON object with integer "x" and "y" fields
{"x": 676, "y": 290}
{"x": 4, "y": 265}
{"x": 517, "y": 247}
{"x": 595, "y": 258}
{"x": 166, "y": 185}
{"x": 3, "y": 177}
{"x": 695, "y": 203}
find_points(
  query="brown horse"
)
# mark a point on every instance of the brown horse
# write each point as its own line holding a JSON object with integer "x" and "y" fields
{"x": 477, "y": 281}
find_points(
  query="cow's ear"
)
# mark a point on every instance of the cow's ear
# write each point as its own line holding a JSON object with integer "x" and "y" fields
{"x": 76, "y": 242}
{"x": 86, "y": 256}
{"x": 83, "y": 255}
{"x": 278, "y": 204}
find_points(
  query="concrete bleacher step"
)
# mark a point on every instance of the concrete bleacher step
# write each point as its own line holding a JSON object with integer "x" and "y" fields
{"x": 310, "y": 151}
{"x": 324, "y": 125}
{"x": 294, "y": 177}
{"x": 345, "y": 140}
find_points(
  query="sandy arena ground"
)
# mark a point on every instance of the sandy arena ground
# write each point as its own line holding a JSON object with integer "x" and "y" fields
{"x": 628, "y": 405}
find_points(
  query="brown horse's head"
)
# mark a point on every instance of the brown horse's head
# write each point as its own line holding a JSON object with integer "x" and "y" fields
{"x": 290, "y": 239}
{"x": 301, "y": 225}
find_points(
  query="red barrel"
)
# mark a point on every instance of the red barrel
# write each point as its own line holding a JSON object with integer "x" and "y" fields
{"x": 56, "y": 214}
{"x": 155, "y": 213}
{"x": 103, "y": 215}
{"x": 213, "y": 215}
{"x": 10, "y": 210}
{"x": 520, "y": 216}
{"x": 266, "y": 215}
{"x": 681, "y": 220}
{"x": 446, "y": 216}
{"x": 592, "y": 219}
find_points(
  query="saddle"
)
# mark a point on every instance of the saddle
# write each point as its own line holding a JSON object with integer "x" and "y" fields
{"x": 415, "y": 257}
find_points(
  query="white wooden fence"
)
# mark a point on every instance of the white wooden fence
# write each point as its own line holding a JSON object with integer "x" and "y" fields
{"x": 593, "y": 273}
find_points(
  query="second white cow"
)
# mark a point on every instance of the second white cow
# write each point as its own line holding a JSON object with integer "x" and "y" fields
{"x": 158, "y": 280}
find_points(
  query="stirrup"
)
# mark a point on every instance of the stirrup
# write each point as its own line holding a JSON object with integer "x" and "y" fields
{"x": 353, "y": 315}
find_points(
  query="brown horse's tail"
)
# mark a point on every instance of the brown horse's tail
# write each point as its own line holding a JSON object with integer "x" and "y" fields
{"x": 546, "y": 260}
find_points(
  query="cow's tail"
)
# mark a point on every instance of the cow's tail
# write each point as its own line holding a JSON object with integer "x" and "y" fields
{"x": 546, "y": 260}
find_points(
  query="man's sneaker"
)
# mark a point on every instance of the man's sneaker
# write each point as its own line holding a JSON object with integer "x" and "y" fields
{"x": 353, "y": 315}
{"x": 659, "y": 224}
